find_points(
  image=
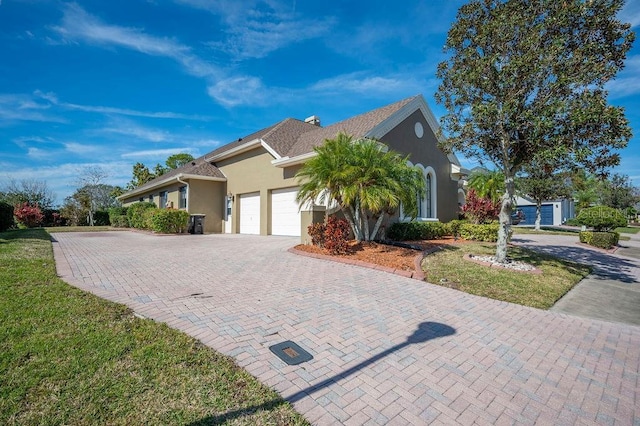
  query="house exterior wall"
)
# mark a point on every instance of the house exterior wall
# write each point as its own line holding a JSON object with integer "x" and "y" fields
{"x": 203, "y": 197}
{"x": 207, "y": 198}
{"x": 425, "y": 151}
{"x": 252, "y": 171}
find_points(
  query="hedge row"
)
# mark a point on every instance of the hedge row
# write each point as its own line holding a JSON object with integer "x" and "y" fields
{"x": 604, "y": 240}
{"x": 167, "y": 221}
{"x": 410, "y": 231}
{"x": 145, "y": 215}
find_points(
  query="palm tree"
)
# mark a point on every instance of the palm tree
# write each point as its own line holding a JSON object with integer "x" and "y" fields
{"x": 487, "y": 183}
{"x": 366, "y": 179}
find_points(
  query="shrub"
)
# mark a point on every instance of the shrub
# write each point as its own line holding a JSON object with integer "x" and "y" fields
{"x": 53, "y": 218}
{"x": 604, "y": 240}
{"x": 6, "y": 216}
{"x": 602, "y": 218}
{"x": 480, "y": 210}
{"x": 136, "y": 214}
{"x": 101, "y": 218}
{"x": 119, "y": 221}
{"x": 336, "y": 235}
{"x": 115, "y": 212}
{"x": 453, "y": 227}
{"x": 572, "y": 222}
{"x": 409, "y": 231}
{"x": 316, "y": 232}
{"x": 167, "y": 221}
{"x": 28, "y": 215}
{"x": 483, "y": 232}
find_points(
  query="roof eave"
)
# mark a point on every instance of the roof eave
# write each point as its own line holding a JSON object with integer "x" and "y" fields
{"x": 163, "y": 182}
{"x": 293, "y": 161}
{"x": 253, "y": 144}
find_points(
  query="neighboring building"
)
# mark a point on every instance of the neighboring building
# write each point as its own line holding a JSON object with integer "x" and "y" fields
{"x": 552, "y": 213}
{"x": 248, "y": 186}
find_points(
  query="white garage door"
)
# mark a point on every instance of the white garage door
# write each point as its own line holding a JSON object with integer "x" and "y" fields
{"x": 285, "y": 217}
{"x": 250, "y": 213}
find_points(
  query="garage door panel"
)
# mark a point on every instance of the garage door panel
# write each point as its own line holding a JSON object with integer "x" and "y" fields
{"x": 250, "y": 213}
{"x": 285, "y": 214}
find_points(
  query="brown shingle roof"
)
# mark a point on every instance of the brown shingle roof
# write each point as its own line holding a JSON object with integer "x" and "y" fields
{"x": 289, "y": 137}
{"x": 357, "y": 127}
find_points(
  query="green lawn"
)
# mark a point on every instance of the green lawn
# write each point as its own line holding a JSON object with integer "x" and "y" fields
{"x": 628, "y": 230}
{"x": 556, "y": 231}
{"x": 83, "y": 229}
{"x": 544, "y": 231}
{"x": 538, "y": 291}
{"x": 68, "y": 357}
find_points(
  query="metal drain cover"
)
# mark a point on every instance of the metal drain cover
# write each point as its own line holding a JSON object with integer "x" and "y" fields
{"x": 290, "y": 353}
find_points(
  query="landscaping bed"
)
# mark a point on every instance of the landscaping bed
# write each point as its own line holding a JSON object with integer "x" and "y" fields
{"x": 444, "y": 265}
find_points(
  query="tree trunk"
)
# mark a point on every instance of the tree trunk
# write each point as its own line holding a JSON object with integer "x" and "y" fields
{"x": 365, "y": 225}
{"x": 538, "y": 214}
{"x": 376, "y": 227}
{"x": 505, "y": 219}
{"x": 352, "y": 217}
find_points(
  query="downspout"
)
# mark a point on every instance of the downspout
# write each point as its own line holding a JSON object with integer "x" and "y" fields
{"x": 187, "y": 185}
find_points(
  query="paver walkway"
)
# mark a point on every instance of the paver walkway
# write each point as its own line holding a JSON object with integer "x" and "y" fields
{"x": 611, "y": 292}
{"x": 387, "y": 349}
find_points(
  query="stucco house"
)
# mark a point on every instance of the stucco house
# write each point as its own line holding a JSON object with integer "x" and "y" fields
{"x": 248, "y": 186}
{"x": 552, "y": 212}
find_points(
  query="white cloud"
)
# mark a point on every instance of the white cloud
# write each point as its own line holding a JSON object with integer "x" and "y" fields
{"x": 369, "y": 85}
{"x": 257, "y": 39}
{"x": 256, "y": 28}
{"x": 156, "y": 153}
{"x": 238, "y": 90}
{"x": 37, "y": 153}
{"x": 77, "y": 24}
{"x": 82, "y": 149}
{"x": 129, "y": 128}
{"x": 133, "y": 113}
{"x": 19, "y": 107}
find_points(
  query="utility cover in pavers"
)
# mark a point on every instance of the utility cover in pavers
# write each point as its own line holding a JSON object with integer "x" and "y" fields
{"x": 291, "y": 353}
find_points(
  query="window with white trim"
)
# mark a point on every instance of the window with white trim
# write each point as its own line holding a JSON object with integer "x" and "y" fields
{"x": 182, "y": 198}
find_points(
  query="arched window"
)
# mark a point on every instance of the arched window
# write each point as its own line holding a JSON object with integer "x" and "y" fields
{"x": 427, "y": 208}
{"x": 428, "y": 197}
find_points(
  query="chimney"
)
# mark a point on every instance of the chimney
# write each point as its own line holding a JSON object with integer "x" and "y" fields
{"x": 315, "y": 120}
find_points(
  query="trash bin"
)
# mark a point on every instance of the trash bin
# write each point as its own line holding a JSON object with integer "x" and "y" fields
{"x": 196, "y": 224}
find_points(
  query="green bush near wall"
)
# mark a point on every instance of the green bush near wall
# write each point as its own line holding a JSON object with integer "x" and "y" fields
{"x": 604, "y": 240}
{"x": 483, "y": 232}
{"x": 602, "y": 218}
{"x": 167, "y": 221}
{"x": 410, "y": 231}
{"x": 136, "y": 214}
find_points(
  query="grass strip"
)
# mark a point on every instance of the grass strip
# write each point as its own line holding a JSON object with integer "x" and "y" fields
{"x": 447, "y": 268}
{"x": 68, "y": 357}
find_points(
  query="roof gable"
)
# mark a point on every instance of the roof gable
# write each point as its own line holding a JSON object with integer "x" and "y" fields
{"x": 358, "y": 127}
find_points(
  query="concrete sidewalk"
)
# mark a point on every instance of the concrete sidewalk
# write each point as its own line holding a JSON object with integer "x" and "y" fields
{"x": 611, "y": 292}
{"x": 387, "y": 349}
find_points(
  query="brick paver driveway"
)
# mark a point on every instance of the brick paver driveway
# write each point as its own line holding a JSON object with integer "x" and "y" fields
{"x": 387, "y": 349}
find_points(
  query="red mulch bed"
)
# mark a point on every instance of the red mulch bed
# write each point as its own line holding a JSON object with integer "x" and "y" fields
{"x": 384, "y": 255}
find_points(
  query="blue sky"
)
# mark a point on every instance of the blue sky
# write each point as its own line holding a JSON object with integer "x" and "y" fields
{"x": 111, "y": 83}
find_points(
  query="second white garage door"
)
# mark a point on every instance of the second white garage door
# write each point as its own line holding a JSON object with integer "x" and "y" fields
{"x": 285, "y": 217}
{"x": 250, "y": 213}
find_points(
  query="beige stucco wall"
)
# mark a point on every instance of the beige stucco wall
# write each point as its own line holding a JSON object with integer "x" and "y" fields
{"x": 203, "y": 197}
{"x": 207, "y": 197}
{"x": 425, "y": 151}
{"x": 250, "y": 172}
